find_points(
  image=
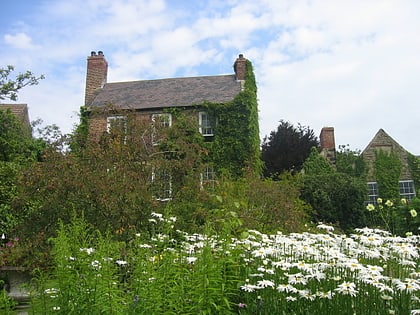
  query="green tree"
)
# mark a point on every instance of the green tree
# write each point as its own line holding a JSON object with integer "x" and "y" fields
{"x": 9, "y": 88}
{"x": 16, "y": 143}
{"x": 18, "y": 151}
{"x": 287, "y": 148}
{"x": 336, "y": 197}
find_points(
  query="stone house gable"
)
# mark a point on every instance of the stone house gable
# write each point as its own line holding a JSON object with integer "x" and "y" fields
{"x": 382, "y": 141}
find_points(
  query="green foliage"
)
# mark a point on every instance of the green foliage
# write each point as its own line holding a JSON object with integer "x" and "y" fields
{"x": 398, "y": 217}
{"x": 387, "y": 170}
{"x": 350, "y": 162}
{"x": 336, "y": 198}
{"x": 174, "y": 272}
{"x": 316, "y": 164}
{"x": 287, "y": 148}
{"x": 235, "y": 148}
{"x": 9, "y": 88}
{"x": 7, "y": 304}
{"x": 16, "y": 142}
{"x": 86, "y": 274}
{"x": 414, "y": 167}
{"x": 80, "y": 135}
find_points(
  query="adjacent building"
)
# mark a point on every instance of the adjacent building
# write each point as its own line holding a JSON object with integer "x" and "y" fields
{"x": 381, "y": 142}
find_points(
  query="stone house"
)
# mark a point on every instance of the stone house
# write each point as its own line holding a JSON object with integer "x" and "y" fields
{"x": 151, "y": 101}
{"x": 383, "y": 142}
{"x": 380, "y": 142}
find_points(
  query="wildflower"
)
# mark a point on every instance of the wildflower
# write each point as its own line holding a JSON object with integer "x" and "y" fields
{"x": 249, "y": 287}
{"x": 325, "y": 295}
{"x": 379, "y": 200}
{"x": 297, "y": 278}
{"x": 241, "y": 305}
{"x": 56, "y": 308}
{"x": 291, "y": 299}
{"x": 265, "y": 283}
{"x": 415, "y": 312}
{"x": 370, "y": 207}
{"x": 286, "y": 288}
{"x": 121, "y": 262}
{"x": 325, "y": 227}
{"x": 87, "y": 250}
{"x": 403, "y": 201}
{"x": 389, "y": 203}
{"x": 191, "y": 260}
{"x": 95, "y": 264}
{"x": 347, "y": 288}
{"x": 413, "y": 213}
{"x": 306, "y": 294}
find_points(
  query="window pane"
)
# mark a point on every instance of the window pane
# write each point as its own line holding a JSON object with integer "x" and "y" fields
{"x": 161, "y": 184}
{"x": 407, "y": 189}
{"x": 372, "y": 193}
{"x": 205, "y": 124}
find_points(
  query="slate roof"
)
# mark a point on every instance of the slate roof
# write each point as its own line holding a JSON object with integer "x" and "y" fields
{"x": 175, "y": 92}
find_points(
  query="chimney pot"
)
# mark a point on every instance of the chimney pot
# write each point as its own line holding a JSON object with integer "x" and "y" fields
{"x": 100, "y": 53}
{"x": 93, "y": 53}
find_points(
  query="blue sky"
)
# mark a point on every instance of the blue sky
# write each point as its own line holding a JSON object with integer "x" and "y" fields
{"x": 350, "y": 64}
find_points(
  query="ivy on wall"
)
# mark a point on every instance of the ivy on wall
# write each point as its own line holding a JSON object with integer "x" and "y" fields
{"x": 235, "y": 148}
{"x": 414, "y": 167}
{"x": 387, "y": 169}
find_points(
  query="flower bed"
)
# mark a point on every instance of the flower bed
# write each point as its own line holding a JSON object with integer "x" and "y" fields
{"x": 369, "y": 272}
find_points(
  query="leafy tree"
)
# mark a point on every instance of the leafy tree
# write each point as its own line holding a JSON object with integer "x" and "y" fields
{"x": 336, "y": 197}
{"x": 16, "y": 142}
{"x": 287, "y": 148}
{"x": 18, "y": 150}
{"x": 9, "y": 88}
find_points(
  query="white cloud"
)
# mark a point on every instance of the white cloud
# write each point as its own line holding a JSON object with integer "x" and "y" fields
{"x": 19, "y": 40}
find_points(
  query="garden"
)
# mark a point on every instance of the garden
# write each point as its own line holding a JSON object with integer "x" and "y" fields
{"x": 174, "y": 272}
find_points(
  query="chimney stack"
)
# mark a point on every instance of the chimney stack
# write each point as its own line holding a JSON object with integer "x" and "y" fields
{"x": 96, "y": 75}
{"x": 240, "y": 67}
{"x": 327, "y": 142}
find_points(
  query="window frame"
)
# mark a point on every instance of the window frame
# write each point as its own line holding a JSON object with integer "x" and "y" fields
{"x": 407, "y": 191}
{"x": 159, "y": 175}
{"x": 163, "y": 123}
{"x": 208, "y": 178}
{"x": 373, "y": 193}
{"x": 207, "y": 130}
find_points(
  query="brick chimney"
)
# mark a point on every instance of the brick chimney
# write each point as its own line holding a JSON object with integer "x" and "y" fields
{"x": 327, "y": 142}
{"x": 240, "y": 67}
{"x": 96, "y": 75}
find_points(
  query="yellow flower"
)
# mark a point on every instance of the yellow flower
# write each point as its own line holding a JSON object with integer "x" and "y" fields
{"x": 413, "y": 213}
{"x": 379, "y": 200}
{"x": 389, "y": 203}
{"x": 403, "y": 201}
{"x": 370, "y": 207}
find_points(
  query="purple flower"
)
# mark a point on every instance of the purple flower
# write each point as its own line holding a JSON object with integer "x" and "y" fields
{"x": 241, "y": 305}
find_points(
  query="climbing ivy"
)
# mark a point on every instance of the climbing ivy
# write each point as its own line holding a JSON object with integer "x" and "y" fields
{"x": 387, "y": 169}
{"x": 414, "y": 167}
{"x": 235, "y": 148}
